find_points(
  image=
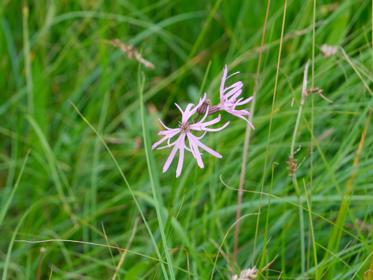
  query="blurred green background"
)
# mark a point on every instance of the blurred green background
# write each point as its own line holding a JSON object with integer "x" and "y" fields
{"x": 73, "y": 208}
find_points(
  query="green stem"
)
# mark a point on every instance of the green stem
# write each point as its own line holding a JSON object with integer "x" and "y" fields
{"x": 293, "y": 168}
{"x": 155, "y": 187}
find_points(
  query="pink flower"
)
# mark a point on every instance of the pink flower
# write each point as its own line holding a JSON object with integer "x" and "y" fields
{"x": 229, "y": 98}
{"x": 184, "y": 134}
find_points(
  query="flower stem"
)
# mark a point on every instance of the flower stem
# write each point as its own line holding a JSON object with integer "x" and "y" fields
{"x": 293, "y": 166}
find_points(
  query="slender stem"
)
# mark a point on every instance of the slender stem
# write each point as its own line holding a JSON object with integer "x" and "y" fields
{"x": 270, "y": 125}
{"x": 309, "y": 202}
{"x": 312, "y": 231}
{"x": 301, "y": 224}
{"x": 293, "y": 168}
{"x": 161, "y": 217}
{"x": 26, "y": 54}
{"x": 303, "y": 98}
{"x": 248, "y": 137}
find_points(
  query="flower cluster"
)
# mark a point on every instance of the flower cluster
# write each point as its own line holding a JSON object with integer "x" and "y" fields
{"x": 194, "y": 124}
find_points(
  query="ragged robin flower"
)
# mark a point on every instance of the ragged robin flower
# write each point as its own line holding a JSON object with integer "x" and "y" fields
{"x": 185, "y": 139}
{"x": 230, "y": 97}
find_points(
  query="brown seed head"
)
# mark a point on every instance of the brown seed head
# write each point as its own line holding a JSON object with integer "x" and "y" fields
{"x": 292, "y": 165}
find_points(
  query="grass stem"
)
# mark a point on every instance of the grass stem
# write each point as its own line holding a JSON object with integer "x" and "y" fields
{"x": 248, "y": 137}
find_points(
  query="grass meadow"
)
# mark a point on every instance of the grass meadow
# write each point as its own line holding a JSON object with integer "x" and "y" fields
{"x": 82, "y": 194}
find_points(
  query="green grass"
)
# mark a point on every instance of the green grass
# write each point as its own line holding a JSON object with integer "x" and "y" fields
{"x": 83, "y": 195}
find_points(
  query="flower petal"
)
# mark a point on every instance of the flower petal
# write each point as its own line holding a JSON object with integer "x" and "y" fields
{"x": 240, "y": 114}
{"x": 213, "y": 121}
{"x": 203, "y": 146}
{"x": 194, "y": 148}
{"x": 233, "y": 91}
{"x": 204, "y": 126}
{"x": 165, "y": 126}
{"x": 231, "y": 75}
{"x": 168, "y": 144}
{"x": 209, "y": 150}
{"x": 156, "y": 144}
{"x": 170, "y": 159}
{"x": 178, "y": 107}
{"x": 243, "y": 102}
{"x": 222, "y": 82}
{"x": 181, "y": 160}
{"x": 216, "y": 129}
{"x": 169, "y": 132}
{"x": 167, "y": 136}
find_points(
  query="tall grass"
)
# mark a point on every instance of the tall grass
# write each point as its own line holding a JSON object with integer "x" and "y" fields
{"x": 83, "y": 195}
